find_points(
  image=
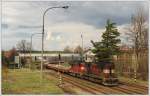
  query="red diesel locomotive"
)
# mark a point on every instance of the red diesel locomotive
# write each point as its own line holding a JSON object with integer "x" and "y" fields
{"x": 89, "y": 69}
{"x": 102, "y": 72}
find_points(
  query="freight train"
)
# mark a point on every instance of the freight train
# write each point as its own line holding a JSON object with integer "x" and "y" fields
{"x": 99, "y": 72}
{"x": 102, "y": 72}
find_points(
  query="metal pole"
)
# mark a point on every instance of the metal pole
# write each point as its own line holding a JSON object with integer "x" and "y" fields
{"x": 65, "y": 7}
{"x": 31, "y": 48}
{"x": 82, "y": 45}
{"x": 42, "y": 51}
{"x": 30, "y": 52}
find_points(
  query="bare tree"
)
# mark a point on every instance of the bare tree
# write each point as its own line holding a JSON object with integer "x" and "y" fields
{"x": 78, "y": 49}
{"x": 138, "y": 33}
{"x": 67, "y": 49}
{"x": 23, "y": 46}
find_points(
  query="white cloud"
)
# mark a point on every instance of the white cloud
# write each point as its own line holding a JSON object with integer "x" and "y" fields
{"x": 58, "y": 38}
{"x": 69, "y": 34}
{"x": 48, "y": 37}
{"x": 65, "y": 26}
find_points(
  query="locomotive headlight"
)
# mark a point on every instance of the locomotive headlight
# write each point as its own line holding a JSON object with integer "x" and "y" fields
{"x": 106, "y": 70}
{"x": 82, "y": 68}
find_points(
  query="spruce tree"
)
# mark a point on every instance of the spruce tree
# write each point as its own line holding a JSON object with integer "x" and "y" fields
{"x": 108, "y": 47}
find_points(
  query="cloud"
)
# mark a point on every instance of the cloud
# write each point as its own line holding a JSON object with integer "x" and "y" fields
{"x": 58, "y": 38}
{"x": 21, "y": 19}
{"x": 4, "y": 26}
{"x": 96, "y": 13}
{"x": 69, "y": 34}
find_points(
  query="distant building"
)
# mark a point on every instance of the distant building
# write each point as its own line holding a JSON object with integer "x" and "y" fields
{"x": 125, "y": 48}
{"x": 89, "y": 56}
{"x": 50, "y": 57}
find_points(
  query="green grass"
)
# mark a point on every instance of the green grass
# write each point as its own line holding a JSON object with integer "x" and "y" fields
{"x": 23, "y": 81}
{"x": 66, "y": 64}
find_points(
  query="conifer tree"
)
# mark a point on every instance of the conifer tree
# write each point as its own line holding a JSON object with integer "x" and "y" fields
{"x": 109, "y": 44}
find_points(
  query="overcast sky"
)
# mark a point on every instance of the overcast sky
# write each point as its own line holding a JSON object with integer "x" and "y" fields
{"x": 63, "y": 27}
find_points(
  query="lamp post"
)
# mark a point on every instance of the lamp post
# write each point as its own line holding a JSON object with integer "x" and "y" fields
{"x": 82, "y": 46}
{"x": 64, "y": 7}
{"x": 31, "y": 47}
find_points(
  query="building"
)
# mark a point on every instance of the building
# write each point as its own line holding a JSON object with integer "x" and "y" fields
{"x": 89, "y": 56}
{"x": 48, "y": 57}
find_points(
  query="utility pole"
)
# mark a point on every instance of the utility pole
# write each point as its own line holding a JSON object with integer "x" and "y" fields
{"x": 82, "y": 46}
{"x": 31, "y": 48}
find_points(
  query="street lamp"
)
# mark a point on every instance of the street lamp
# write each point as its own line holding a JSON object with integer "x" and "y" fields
{"x": 31, "y": 47}
{"x": 64, "y": 7}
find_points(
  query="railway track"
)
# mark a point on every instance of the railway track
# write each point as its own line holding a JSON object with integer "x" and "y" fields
{"x": 130, "y": 90}
{"x": 94, "y": 88}
{"x": 89, "y": 89}
{"x": 66, "y": 79}
{"x": 134, "y": 85}
{"x": 83, "y": 83}
{"x": 138, "y": 88}
{"x": 121, "y": 89}
{"x": 98, "y": 88}
{"x": 87, "y": 86}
